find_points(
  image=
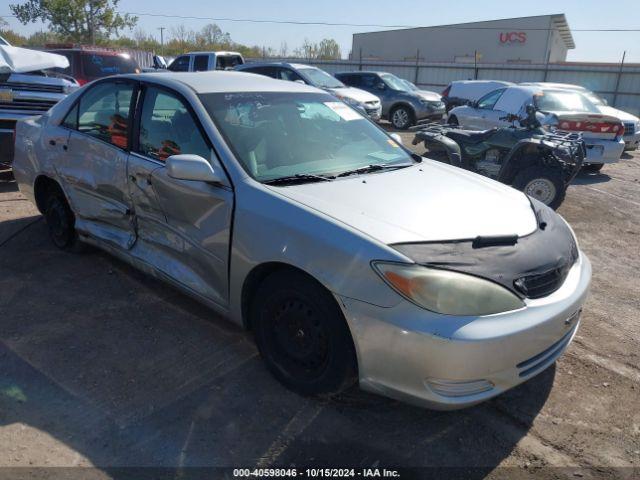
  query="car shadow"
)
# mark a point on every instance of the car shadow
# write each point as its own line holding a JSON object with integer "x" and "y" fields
{"x": 590, "y": 178}
{"x": 123, "y": 371}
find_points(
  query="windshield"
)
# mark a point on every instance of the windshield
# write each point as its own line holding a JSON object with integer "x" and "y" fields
{"x": 557, "y": 100}
{"x": 95, "y": 65}
{"x": 320, "y": 78}
{"x": 281, "y": 134}
{"x": 394, "y": 82}
{"x": 409, "y": 85}
{"x": 3, "y": 41}
{"x": 595, "y": 98}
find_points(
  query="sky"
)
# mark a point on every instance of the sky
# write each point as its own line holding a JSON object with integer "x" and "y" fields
{"x": 586, "y": 14}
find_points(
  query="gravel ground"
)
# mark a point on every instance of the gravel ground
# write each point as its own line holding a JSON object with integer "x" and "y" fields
{"x": 101, "y": 366}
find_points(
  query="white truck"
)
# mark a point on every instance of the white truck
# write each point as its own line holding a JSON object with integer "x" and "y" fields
{"x": 205, "y": 61}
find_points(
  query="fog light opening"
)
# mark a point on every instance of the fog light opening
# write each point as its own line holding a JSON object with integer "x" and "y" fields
{"x": 457, "y": 388}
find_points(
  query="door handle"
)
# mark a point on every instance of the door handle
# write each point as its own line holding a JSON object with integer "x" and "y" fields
{"x": 52, "y": 142}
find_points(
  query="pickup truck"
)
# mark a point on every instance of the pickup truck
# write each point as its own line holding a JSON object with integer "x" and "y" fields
{"x": 205, "y": 61}
{"x": 28, "y": 87}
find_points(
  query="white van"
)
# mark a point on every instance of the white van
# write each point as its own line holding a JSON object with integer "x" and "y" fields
{"x": 204, "y": 61}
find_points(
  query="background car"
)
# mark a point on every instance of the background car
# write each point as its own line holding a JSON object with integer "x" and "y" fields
{"x": 205, "y": 61}
{"x": 90, "y": 63}
{"x": 296, "y": 72}
{"x": 29, "y": 86}
{"x": 565, "y": 109}
{"x": 461, "y": 92}
{"x": 400, "y": 105}
{"x": 427, "y": 94}
{"x": 631, "y": 122}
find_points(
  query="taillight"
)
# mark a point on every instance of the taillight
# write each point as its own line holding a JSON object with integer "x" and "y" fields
{"x": 592, "y": 126}
{"x": 81, "y": 81}
{"x": 445, "y": 92}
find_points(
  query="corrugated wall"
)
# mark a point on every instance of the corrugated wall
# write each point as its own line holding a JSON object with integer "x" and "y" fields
{"x": 605, "y": 79}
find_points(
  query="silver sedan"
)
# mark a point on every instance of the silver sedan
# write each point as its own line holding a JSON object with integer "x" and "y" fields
{"x": 349, "y": 257}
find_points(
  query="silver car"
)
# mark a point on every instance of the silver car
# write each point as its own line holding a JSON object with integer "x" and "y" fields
{"x": 290, "y": 213}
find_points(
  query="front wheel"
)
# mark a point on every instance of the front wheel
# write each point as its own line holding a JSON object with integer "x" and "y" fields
{"x": 302, "y": 335}
{"x": 401, "y": 118}
{"x": 542, "y": 183}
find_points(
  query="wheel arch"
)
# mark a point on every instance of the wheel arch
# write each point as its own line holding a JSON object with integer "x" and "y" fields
{"x": 42, "y": 186}
{"x": 254, "y": 279}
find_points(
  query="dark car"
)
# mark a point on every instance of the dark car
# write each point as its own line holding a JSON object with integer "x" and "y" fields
{"x": 90, "y": 63}
{"x": 402, "y": 106}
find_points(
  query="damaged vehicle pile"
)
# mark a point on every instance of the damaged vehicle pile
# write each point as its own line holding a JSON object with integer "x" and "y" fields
{"x": 290, "y": 212}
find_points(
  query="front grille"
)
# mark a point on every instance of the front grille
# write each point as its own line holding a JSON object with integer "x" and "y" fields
{"x": 373, "y": 103}
{"x": 546, "y": 357}
{"x": 31, "y": 87}
{"x": 537, "y": 286}
{"x": 27, "y": 105}
{"x": 629, "y": 128}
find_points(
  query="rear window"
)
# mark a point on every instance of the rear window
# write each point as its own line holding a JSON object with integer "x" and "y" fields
{"x": 226, "y": 62}
{"x": 96, "y": 65}
{"x": 554, "y": 101}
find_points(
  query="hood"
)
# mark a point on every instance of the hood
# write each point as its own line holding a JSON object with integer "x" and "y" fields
{"x": 620, "y": 114}
{"x": 355, "y": 93}
{"x": 426, "y": 202}
{"x": 22, "y": 60}
{"x": 430, "y": 96}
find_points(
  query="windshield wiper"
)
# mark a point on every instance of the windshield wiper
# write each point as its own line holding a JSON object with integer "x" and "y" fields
{"x": 373, "y": 168}
{"x": 297, "y": 178}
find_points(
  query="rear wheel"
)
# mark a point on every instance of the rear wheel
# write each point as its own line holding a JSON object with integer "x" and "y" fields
{"x": 593, "y": 167}
{"x": 402, "y": 118}
{"x": 61, "y": 222}
{"x": 302, "y": 334}
{"x": 542, "y": 183}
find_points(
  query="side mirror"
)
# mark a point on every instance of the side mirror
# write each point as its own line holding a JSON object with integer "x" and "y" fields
{"x": 159, "y": 62}
{"x": 473, "y": 103}
{"x": 191, "y": 167}
{"x": 396, "y": 137}
{"x": 381, "y": 86}
{"x": 300, "y": 81}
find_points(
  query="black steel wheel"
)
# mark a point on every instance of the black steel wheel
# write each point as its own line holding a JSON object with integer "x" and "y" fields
{"x": 545, "y": 184}
{"x": 61, "y": 222}
{"x": 302, "y": 334}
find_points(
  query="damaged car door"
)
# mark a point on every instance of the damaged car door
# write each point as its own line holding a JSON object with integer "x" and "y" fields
{"x": 93, "y": 167}
{"x": 183, "y": 226}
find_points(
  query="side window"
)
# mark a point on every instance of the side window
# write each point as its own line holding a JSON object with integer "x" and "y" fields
{"x": 180, "y": 64}
{"x": 227, "y": 62}
{"x": 167, "y": 128}
{"x": 352, "y": 80}
{"x": 103, "y": 112}
{"x": 71, "y": 120}
{"x": 200, "y": 63}
{"x": 489, "y": 100}
{"x": 369, "y": 81}
{"x": 288, "y": 74}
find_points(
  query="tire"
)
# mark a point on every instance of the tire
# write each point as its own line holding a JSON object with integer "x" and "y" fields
{"x": 593, "y": 167}
{"x": 61, "y": 222}
{"x": 542, "y": 183}
{"x": 302, "y": 335}
{"x": 401, "y": 117}
{"x": 453, "y": 120}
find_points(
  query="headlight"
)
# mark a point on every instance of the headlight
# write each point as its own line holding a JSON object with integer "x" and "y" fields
{"x": 447, "y": 292}
{"x": 67, "y": 89}
{"x": 350, "y": 101}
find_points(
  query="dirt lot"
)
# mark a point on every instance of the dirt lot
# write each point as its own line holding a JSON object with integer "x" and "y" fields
{"x": 102, "y": 366}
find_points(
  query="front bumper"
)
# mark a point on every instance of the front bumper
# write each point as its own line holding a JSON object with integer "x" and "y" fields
{"x": 374, "y": 113}
{"x": 446, "y": 362}
{"x": 603, "y": 151}
{"x": 632, "y": 142}
{"x": 430, "y": 111}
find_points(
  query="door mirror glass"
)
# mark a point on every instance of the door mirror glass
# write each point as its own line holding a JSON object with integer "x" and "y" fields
{"x": 381, "y": 86}
{"x": 300, "y": 81}
{"x": 191, "y": 167}
{"x": 396, "y": 137}
{"x": 159, "y": 63}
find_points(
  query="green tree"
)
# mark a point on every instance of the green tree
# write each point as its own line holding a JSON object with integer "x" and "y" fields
{"x": 328, "y": 49}
{"x": 86, "y": 21}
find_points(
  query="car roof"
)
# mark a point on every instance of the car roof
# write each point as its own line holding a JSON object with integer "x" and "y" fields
{"x": 554, "y": 85}
{"x": 217, "y": 52}
{"x": 223, "y": 81}
{"x": 369, "y": 72}
{"x": 275, "y": 64}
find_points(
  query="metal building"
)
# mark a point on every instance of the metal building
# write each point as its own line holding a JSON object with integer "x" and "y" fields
{"x": 540, "y": 39}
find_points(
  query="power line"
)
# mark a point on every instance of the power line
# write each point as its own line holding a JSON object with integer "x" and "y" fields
{"x": 375, "y": 25}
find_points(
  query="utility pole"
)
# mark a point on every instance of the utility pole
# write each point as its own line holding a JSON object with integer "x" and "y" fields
{"x": 615, "y": 95}
{"x": 162, "y": 29}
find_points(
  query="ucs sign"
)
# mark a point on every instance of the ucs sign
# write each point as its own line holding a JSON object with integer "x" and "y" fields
{"x": 513, "y": 37}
